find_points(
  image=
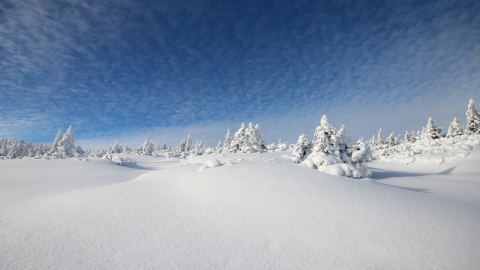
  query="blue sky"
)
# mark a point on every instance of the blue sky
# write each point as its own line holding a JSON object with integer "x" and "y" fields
{"x": 128, "y": 70}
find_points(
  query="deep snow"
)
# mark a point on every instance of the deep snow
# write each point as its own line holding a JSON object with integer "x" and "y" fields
{"x": 237, "y": 211}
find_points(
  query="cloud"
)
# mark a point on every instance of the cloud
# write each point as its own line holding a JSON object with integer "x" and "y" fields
{"x": 115, "y": 68}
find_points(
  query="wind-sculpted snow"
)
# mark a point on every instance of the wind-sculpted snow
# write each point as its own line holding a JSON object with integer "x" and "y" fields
{"x": 257, "y": 211}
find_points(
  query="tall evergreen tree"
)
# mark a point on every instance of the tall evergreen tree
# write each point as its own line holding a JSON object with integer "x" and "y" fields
{"x": 68, "y": 144}
{"x": 324, "y": 137}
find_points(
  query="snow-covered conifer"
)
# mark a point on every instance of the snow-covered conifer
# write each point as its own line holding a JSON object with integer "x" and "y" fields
{"x": 409, "y": 137}
{"x": 227, "y": 143}
{"x": 455, "y": 128}
{"x": 431, "y": 131}
{"x": 361, "y": 153}
{"x": 301, "y": 149}
{"x": 4, "y": 148}
{"x": 116, "y": 148}
{"x": 380, "y": 137}
{"x": 324, "y": 137}
{"x": 147, "y": 148}
{"x": 12, "y": 153}
{"x": 54, "y": 150}
{"x": 343, "y": 145}
{"x": 473, "y": 119}
{"x": 68, "y": 144}
{"x": 392, "y": 140}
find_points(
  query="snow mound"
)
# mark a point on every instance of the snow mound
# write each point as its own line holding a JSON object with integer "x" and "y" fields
{"x": 122, "y": 161}
{"x": 211, "y": 164}
{"x": 332, "y": 165}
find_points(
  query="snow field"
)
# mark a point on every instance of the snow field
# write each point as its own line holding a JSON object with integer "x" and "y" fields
{"x": 256, "y": 211}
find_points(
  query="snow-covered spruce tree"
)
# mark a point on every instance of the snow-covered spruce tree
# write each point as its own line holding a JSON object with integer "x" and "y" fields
{"x": 4, "y": 148}
{"x": 13, "y": 151}
{"x": 455, "y": 129}
{"x": 68, "y": 148}
{"x": 227, "y": 143}
{"x": 55, "y": 149}
{"x": 431, "y": 132}
{"x": 247, "y": 140}
{"x": 326, "y": 155}
{"x": 473, "y": 119}
{"x": 116, "y": 148}
{"x": 380, "y": 137}
{"x": 238, "y": 139}
{"x": 360, "y": 156}
{"x": 198, "y": 149}
{"x": 392, "y": 140}
{"x": 254, "y": 138}
{"x": 147, "y": 148}
{"x": 324, "y": 138}
{"x": 409, "y": 137}
{"x": 343, "y": 145}
{"x": 301, "y": 149}
{"x": 216, "y": 149}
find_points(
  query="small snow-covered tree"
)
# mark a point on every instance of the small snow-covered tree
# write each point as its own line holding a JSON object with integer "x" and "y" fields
{"x": 455, "y": 129}
{"x": 301, "y": 149}
{"x": 4, "y": 148}
{"x": 343, "y": 145}
{"x": 198, "y": 149}
{"x": 361, "y": 153}
{"x": 54, "y": 150}
{"x": 116, "y": 148}
{"x": 147, "y": 148}
{"x": 324, "y": 137}
{"x": 431, "y": 131}
{"x": 473, "y": 119}
{"x": 392, "y": 140}
{"x": 13, "y": 152}
{"x": 380, "y": 137}
{"x": 409, "y": 137}
{"x": 227, "y": 143}
{"x": 68, "y": 144}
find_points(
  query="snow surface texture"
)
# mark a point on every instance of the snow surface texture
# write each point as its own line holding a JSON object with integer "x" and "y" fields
{"x": 257, "y": 211}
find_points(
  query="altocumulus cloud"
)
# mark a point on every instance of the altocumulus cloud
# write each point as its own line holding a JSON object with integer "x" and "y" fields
{"x": 130, "y": 69}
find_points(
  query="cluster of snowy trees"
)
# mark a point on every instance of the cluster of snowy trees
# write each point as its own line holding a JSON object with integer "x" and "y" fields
{"x": 333, "y": 152}
{"x": 62, "y": 147}
{"x": 430, "y": 133}
{"x": 245, "y": 140}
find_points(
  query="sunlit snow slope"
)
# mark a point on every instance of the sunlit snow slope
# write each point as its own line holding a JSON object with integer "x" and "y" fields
{"x": 253, "y": 211}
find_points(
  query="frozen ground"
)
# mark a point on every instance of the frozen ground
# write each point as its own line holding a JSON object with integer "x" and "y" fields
{"x": 238, "y": 211}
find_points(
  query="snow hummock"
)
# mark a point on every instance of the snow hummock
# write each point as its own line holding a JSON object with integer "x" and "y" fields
{"x": 263, "y": 211}
{"x": 211, "y": 164}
